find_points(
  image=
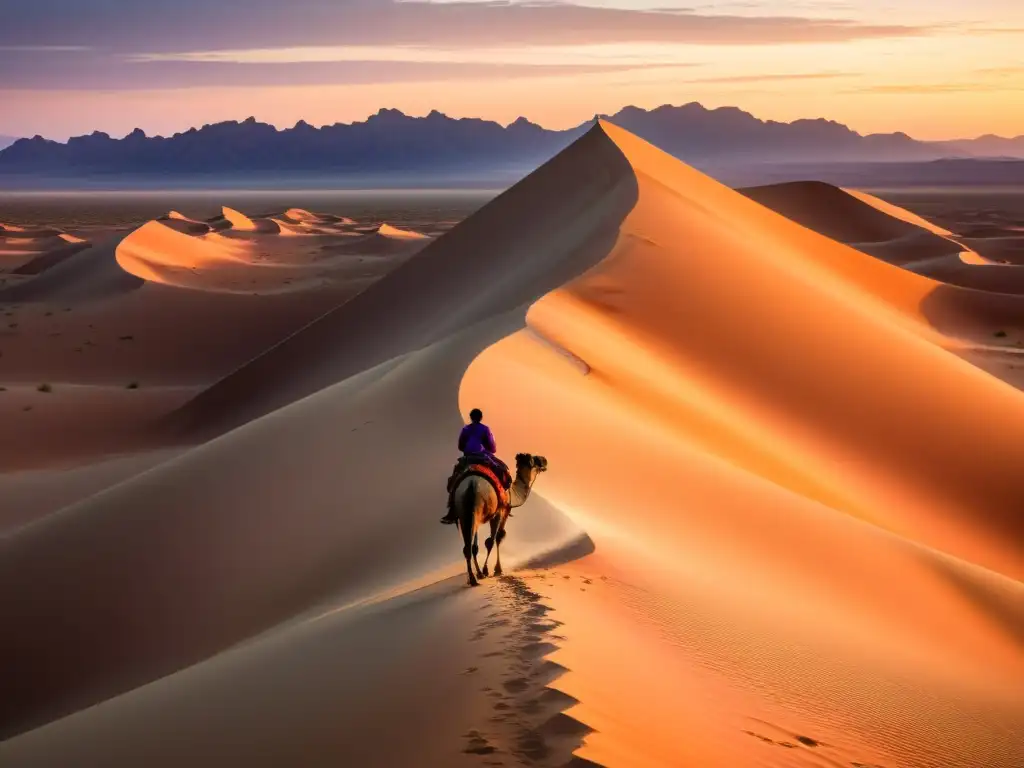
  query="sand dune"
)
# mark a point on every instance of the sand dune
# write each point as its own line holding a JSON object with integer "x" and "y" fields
{"x": 115, "y": 329}
{"x": 856, "y": 218}
{"x": 1006, "y": 249}
{"x": 300, "y": 215}
{"x": 86, "y": 274}
{"x": 834, "y": 212}
{"x": 969, "y": 273}
{"x": 155, "y": 252}
{"x": 178, "y": 252}
{"x": 386, "y": 230}
{"x": 26, "y": 252}
{"x": 798, "y": 498}
{"x": 186, "y": 226}
{"x": 238, "y": 220}
{"x": 901, "y": 214}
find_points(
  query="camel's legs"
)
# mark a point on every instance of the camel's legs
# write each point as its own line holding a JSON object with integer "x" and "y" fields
{"x": 476, "y": 549}
{"x": 468, "y": 535}
{"x": 489, "y": 542}
{"x": 497, "y": 546}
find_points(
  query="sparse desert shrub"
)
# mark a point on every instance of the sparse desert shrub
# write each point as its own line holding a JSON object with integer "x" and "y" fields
{"x": 45, "y": 388}
{"x": 133, "y": 385}
{"x": 1000, "y": 334}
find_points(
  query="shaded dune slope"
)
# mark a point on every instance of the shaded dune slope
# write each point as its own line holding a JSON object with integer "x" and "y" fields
{"x": 213, "y": 516}
{"x": 829, "y": 210}
{"x": 490, "y": 263}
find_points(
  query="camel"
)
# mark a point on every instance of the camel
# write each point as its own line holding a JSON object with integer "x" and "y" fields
{"x": 476, "y": 502}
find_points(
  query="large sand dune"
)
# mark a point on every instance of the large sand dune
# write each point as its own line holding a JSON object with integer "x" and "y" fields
{"x": 797, "y": 498}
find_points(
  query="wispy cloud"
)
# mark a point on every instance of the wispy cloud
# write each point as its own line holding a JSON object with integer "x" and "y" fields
{"x": 932, "y": 88}
{"x": 199, "y": 25}
{"x": 135, "y": 44}
{"x": 765, "y": 78}
{"x": 997, "y": 30}
{"x": 608, "y": 55}
{"x": 104, "y": 75}
{"x": 43, "y": 48}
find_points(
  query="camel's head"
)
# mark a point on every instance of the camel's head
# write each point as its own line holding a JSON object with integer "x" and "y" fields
{"x": 529, "y": 465}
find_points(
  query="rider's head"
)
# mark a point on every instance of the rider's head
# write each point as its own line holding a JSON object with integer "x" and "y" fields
{"x": 476, "y": 415}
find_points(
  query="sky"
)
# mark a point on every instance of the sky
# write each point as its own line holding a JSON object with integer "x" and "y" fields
{"x": 936, "y": 69}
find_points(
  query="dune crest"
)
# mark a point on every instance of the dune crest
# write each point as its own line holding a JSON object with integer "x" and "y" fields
{"x": 301, "y": 215}
{"x": 154, "y": 250}
{"x": 899, "y": 213}
{"x": 238, "y": 220}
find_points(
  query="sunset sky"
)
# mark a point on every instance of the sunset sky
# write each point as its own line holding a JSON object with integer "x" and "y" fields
{"x": 933, "y": 68}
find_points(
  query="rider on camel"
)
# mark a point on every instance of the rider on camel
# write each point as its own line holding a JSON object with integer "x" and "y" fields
{"x": 477, "y": 445}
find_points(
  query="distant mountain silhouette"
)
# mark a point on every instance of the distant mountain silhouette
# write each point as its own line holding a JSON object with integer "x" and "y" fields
{"x": 694, "y": 133}
{"x": 388, "y": 141}
{"x": 391, "y": 142}
{"x": 988, "y": 146}
{"x": 6, "y": 141}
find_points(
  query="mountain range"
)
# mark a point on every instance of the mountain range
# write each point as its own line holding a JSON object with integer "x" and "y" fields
{"x": 390, "y": 142}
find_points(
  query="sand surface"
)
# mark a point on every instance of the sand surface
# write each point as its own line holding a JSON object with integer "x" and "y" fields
{"x": 781, "y": 525}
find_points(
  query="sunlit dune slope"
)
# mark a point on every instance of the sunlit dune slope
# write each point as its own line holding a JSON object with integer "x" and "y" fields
{"x": 798, "y": 486}
{"x": 155, "y": 249}
{"x": 804, "y": 361}
{"x": 386, "y": 230}
{"x": 271, "y": 256}
{"x": 238, "y": 220}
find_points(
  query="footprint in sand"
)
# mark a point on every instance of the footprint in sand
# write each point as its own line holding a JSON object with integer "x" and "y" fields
{"x": 477, "y": 744}
{"x": 531, "y": 745}
{"x": 516, "y": 685}
{"x": 533, "y": 650}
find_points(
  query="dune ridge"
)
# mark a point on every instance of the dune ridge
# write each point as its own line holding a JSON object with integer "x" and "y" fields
{"x": 797, "y": 497}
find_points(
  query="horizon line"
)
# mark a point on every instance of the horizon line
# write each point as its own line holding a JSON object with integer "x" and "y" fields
{"x": 520, "y": 119}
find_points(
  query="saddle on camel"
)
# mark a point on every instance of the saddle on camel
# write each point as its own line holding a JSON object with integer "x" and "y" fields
{"x": 478, "y": 447}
